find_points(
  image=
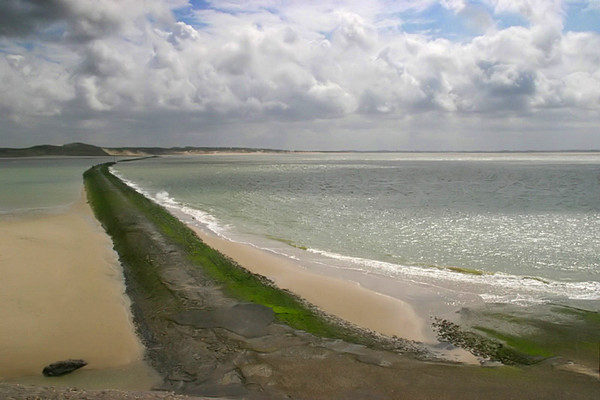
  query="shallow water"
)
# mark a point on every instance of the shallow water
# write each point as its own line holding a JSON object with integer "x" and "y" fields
{"x": 41, "y": 184}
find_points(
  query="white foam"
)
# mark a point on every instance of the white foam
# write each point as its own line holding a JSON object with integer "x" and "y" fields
{"x": 497, "y": 287}
{"x": 163, "y": 198}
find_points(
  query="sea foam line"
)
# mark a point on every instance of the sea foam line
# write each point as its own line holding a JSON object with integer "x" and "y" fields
{"x": 496, "y": 286}
{"x": 164, "y": 199}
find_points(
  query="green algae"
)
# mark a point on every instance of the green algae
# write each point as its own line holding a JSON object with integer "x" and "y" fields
{"x": 467, "y": 271}
{"x": 519, "y": 343}
{"x": 543, "y": 331}
{"x": 106, "y": 204}
{"x": 288, "y": 242}
{"x": 481, "y": 345}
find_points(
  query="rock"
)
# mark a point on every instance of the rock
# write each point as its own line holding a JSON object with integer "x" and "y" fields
{"x": 262, "y": 370}
{"x": 232, "y": 377}
{"x": 60, "y": 368}
{"x": 246, "y": 319}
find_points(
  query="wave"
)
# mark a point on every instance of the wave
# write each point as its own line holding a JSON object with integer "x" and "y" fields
{"x": 164, "y": 199}
{"x": 491, "y": 287}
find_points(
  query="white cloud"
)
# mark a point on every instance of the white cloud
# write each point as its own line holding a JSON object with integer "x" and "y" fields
{"x": 30, "y": 86}
{"x": 275, "y": 62}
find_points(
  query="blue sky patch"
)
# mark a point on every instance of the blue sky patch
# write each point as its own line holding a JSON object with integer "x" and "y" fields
{"x": 582, "y": 18}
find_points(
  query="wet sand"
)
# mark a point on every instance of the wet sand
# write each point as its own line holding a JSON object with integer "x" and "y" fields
{"x": 345, "y": 299}
{"x": 62, "y": 296}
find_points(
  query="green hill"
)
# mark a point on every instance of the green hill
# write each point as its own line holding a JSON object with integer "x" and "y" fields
{"x": 71, "y": 149}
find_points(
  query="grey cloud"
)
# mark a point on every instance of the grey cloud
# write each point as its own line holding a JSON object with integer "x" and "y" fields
{"x": 32, "y": 87}
{"x": 507, "y": 80}
{"x": 25, "y": 17}
{"x": 235, "y": 57}
{"x": 74, "y": 20}
{"x": 256, "y": 71}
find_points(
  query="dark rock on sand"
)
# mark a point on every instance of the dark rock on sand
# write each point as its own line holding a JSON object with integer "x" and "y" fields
{"x": 60, "y": 368}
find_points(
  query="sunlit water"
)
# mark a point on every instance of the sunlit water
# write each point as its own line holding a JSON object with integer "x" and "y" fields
{"x": 508, "y": 228}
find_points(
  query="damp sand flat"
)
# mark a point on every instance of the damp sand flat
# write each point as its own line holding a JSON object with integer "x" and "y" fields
{"x": 62, "y": 296}
{"x": 339, "y": 297}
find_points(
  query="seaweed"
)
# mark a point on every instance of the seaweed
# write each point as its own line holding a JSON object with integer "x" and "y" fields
{"x": 480, "y": 345}
{"x": 141, "y": 267}
{"x": 548, "y": 330}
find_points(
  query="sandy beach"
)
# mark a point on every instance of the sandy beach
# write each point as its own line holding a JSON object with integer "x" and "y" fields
{"x": 196, "y": 336}
{"x": 345, "y": 299}
{"x": 62, "y": 296}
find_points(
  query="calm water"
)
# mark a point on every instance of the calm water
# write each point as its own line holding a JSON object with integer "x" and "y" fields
{"x": 33, "y": 185}
{"x": 509, "y": 228}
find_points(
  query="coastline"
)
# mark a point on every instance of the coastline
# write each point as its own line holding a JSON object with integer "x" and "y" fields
{"x": 177, "y": 308}
{"x": 522, "y": 310}
{"x": 63, "y": 296}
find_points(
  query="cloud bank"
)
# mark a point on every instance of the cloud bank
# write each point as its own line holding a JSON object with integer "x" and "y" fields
{"x": 303, "y": 75}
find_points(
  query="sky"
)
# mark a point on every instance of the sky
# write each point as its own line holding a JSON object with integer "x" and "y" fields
{"x": 302, "y": 75}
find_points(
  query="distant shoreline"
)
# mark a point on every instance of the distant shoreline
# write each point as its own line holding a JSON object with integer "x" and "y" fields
{"x": 86, "y": 150}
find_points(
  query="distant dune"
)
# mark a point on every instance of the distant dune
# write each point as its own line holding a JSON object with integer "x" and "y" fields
{"x": 71, "y": 149}
{"x": 82, "y": 149}
{"x": 88, "y": 150}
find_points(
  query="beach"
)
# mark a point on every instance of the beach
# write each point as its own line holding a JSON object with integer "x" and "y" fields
{"x": 201, "y": 338}
{"x": 63, "y": 296}
{"x": 207, "y": 340}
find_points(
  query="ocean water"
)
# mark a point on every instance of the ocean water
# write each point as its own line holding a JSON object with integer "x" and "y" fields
{"x": 508, "y": 228}
{"x": 41, "y": 184}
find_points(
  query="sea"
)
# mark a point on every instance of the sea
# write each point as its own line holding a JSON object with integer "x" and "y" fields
{"x": 41, "y": 185}
{"x": 462, "y": 236}
{"x": 498, "y": 228}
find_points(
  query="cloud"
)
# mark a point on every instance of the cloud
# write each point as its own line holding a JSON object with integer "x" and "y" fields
{"x": 270, "y": 63}
{"x": 21, "y": 18}
{"x": 32, "y": 87}
{"x": 79, "y": 20}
